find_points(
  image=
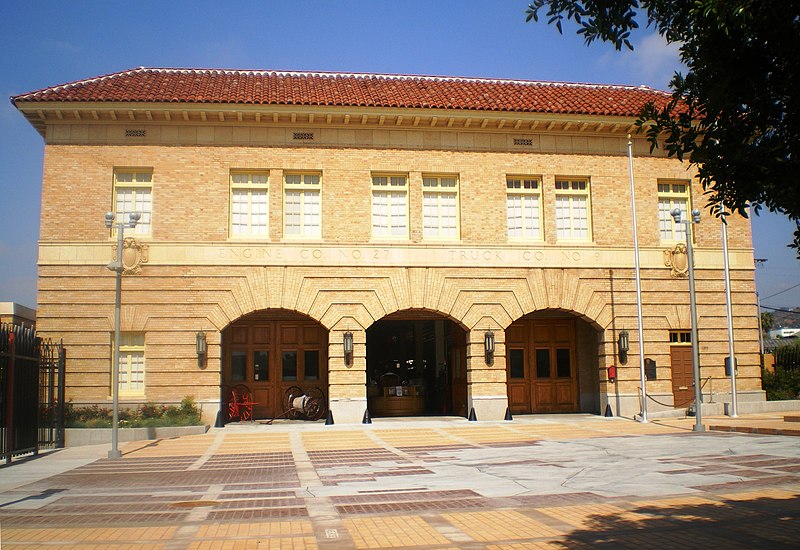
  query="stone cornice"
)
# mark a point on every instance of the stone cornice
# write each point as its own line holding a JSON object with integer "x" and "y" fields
{"x": 42, "y": 114}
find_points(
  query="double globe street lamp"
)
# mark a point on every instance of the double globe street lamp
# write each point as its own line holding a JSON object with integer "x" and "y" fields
{"x": 117, "y": 266}
{"x": 698, "y": 396}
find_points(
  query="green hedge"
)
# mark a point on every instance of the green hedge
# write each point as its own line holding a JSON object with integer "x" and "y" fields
{"x": 784, "y": 384}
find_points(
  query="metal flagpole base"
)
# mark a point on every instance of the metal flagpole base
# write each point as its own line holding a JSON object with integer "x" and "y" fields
{"x": 114, "y": 454}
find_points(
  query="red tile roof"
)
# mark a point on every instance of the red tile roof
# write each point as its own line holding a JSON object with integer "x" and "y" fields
{"x": 200, "y": 86}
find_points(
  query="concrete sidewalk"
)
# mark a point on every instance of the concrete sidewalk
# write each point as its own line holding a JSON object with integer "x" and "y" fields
{"x": 535, "y": 482}
{"x": 770, "y": 423}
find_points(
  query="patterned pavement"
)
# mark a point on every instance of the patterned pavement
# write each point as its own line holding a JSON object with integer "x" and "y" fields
{"x": 558, "y": 483}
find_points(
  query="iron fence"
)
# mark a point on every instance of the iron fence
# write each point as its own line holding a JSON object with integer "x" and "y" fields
{"x": 787, "y": 357}
{"x": 31, "y": 392}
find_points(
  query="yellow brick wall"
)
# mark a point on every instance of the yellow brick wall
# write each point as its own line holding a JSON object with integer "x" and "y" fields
{"x": 174, "y": 296}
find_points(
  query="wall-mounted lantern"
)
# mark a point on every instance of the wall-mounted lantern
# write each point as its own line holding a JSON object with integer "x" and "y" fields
{"x": 201, "y": 346}
{"x": 623, "y": 345}
{"x": 347, "y": 344}
{"x": 488, "y": 346}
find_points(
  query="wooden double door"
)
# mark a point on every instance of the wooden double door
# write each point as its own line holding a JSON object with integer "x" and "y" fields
{"x": 541, "y": 366}
{"x": 271, "y": 356}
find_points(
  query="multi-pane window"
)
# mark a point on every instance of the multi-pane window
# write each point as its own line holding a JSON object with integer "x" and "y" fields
{"x": 249, "y": 201}
{"x": 572, "y": 210}
{"x": 302, "y": 205}
{"x": 440, "y": 207}
{"x": 523, "y": 200}
{"x": 390, "y": 206}
{"x": 133, "y": 192}
{"x": 131, "y": 364}
{"x": 680, "y": 337}
{"x": 672, "y": 195}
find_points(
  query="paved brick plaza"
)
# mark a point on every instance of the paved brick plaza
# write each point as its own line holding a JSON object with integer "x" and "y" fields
{"x": 532, "y": 483}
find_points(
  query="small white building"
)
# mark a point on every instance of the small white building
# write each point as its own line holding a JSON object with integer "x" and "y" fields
{"x": 14, "y": 313}
{"x": 784, "y": 332}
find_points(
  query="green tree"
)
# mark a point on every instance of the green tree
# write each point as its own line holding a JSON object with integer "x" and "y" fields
{"x": 767, "y": 321}
{"x": 735, "y": 114}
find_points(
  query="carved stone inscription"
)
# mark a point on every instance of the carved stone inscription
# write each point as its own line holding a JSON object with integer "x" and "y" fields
{"x": 407, "y": 256}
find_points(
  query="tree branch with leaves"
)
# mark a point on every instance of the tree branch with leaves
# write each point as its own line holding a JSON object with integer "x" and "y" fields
{"x": 735, "y": 114}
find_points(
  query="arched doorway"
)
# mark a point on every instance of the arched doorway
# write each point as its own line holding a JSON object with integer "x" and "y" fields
{"x": 271, "y": 351}
{"x": 416, "y": 365}
{"x": 552, "y": 364}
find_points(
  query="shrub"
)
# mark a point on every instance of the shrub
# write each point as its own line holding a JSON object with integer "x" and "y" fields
{"x": 784, "y": 384}
{"x": 146, "y": 415}
{"x": 151, "y": 410}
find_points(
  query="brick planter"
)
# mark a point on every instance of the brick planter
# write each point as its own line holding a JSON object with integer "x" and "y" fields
{"x": 75, "y": 437}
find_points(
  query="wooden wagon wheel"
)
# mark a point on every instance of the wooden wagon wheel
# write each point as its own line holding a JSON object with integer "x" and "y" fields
{"x": 239, "y": 403}
{"x": 317, "y": 404}
{"x": 290, "y": 395}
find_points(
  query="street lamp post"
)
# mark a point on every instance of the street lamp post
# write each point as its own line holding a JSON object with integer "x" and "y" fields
{"x": 698, "y": 395}
{"x": 117, "y": 267}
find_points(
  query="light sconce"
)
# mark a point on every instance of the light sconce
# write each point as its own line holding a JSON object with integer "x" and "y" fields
{"x": 488, "y": 346}
{"x": 201, "y": 346}
{"x": 623, "y": 345}
{"x": 347, "y": 344}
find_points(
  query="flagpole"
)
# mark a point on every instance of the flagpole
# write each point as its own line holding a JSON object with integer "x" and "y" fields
{"x": 642, "y": 377}
{"x": 733, "y": 413}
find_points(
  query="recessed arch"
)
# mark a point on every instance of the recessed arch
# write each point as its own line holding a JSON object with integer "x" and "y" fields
{"x": 552, "y": 362}
{"x": 416, "y": 363}
{"x": 270, "y": 351}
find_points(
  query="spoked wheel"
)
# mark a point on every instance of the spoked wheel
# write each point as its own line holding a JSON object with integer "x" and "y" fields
{"x": 239, "y": 404}
{"x": 317, "y": 404}
{"x": 231, "y": 404}
{"x": 289, "y": 396}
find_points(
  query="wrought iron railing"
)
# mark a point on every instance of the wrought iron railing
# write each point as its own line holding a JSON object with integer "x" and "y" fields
{"x": 31, "y": 392}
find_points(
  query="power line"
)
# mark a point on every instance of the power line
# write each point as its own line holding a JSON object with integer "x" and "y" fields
{"x": 779, "y": 309}
{"x": 781, "y": 292}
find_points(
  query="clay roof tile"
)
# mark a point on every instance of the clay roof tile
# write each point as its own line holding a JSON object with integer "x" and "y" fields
{"x": 152, "y": 85}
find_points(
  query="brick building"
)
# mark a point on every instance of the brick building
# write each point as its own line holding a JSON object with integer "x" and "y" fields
{"x": 283, "y": 212}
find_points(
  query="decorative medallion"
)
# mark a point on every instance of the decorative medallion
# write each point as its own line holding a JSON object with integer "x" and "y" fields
{"x": 678, "y": 260}
{"x": 133, "y": 255}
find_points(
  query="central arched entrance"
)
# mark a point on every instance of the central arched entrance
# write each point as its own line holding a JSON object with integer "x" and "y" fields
{"x": 271, "y": 351}
{"x": 552, "y": 364}
{"x": 416, "y": 365}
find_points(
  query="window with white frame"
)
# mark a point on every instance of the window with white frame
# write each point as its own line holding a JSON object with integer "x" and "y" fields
{"x": 133, "y": 192}
{"x": 523, "y": 207}
{"x": 302, "y": 205}
{"x": 440, "y": 207}
{"x": 390, "y": 206}
{"x": 131, "y": 364}
{"x": 573, "y": 221}
{"x": 672, "y": 195}
{"x": 249, "y": 204}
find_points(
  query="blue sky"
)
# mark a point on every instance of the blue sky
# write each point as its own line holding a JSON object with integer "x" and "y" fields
{"x": 46, "y": 43}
